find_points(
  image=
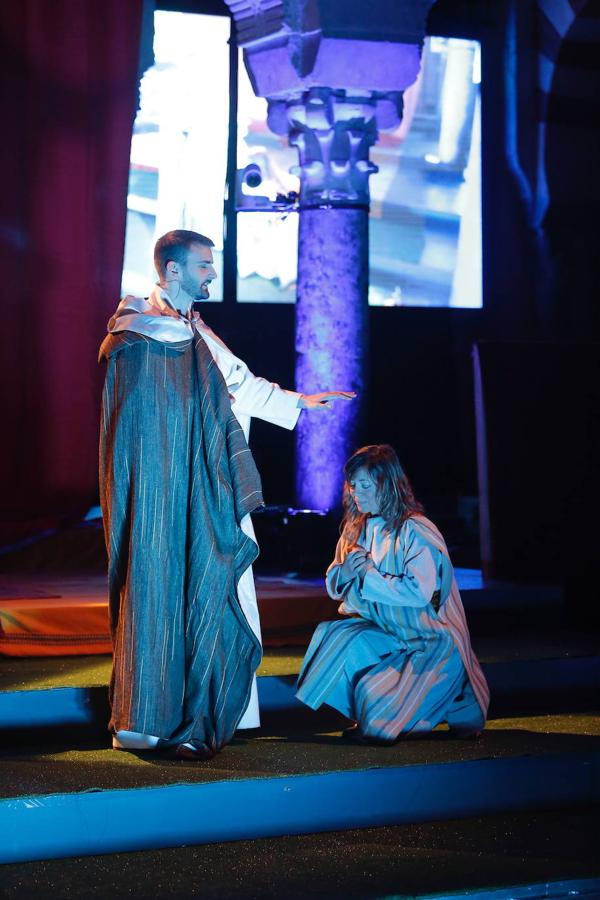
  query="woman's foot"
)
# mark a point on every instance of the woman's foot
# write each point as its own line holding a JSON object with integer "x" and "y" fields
{"x": 353, "y": 733}
{"x": 466, "y": 734}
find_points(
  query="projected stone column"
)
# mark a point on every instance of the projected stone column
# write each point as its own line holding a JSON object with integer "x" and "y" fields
{"x": 333, "y": 74}
{"x": 333, "y": 134}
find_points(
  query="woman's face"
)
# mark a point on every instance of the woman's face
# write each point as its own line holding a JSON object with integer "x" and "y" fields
{"x": 364, "y": 491}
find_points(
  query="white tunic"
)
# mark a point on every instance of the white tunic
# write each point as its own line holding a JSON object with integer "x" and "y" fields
{"x": 252, "y": 396}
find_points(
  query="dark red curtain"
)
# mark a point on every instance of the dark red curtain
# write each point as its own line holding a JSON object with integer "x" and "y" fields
{"x": 69, "y": 73}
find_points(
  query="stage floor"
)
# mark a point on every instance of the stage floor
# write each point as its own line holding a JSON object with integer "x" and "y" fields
{"x": 291, "y": 742}
{"x": 402, "y": 861}
{"x": 526, "y": 758}
{"x": 538, "y": 747}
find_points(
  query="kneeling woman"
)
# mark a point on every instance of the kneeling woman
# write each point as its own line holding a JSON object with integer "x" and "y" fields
{"x": 401, "y": 662}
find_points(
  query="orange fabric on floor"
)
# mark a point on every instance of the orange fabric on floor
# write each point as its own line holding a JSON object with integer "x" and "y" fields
{"x": 53, "y": 627}
{"x": 68, "y": 616}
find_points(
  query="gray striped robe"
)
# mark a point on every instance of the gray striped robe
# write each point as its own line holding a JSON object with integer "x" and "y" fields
{"x": 176, "y": 478}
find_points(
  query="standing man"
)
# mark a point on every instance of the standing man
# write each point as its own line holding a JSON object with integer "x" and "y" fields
{"x": 177, "y": 486}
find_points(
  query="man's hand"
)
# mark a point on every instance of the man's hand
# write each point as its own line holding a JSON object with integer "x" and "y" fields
{"x": 354, "y": 564}
{"x": 324, "y": 400}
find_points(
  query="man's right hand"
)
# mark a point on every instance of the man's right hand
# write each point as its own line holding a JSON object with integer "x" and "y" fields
{"x": 324, "y": 400}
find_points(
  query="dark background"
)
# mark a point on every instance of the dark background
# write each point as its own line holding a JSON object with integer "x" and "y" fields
{"x": 61, "y": 237}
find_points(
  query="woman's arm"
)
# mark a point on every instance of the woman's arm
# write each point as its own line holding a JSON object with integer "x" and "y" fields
{"x": 416, "y": 582}
{"x": 344, "y": 579}
{"x": 346, "y": 570}
{"x": 337, "y": 579}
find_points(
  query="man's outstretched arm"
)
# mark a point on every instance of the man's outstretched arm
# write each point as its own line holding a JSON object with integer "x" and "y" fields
{"x": 256, "y": 397}
{"x": 261, "y": 399}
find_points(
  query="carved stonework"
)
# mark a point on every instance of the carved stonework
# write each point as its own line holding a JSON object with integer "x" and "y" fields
{"x": 333, "y": 74}
{"x": 292, "y": 45}
{"x": 256, "y": 19}
{"x": 323, "y": 33}
{"x": 333, "y": 132}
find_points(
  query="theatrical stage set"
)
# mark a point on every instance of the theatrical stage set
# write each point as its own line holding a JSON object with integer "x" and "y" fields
{"x": 298, "y": 590}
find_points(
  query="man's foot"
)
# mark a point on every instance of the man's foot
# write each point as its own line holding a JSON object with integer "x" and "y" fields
{"x": 134, "y": 740}
{"x": 198, "y": 752}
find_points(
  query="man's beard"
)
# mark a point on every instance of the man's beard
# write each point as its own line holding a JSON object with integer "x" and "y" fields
{"x": 198, "y": 292}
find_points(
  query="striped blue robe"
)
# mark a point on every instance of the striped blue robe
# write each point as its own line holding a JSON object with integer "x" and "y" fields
{"x": 176, "y": 480}
{"x": 402, "y": 662}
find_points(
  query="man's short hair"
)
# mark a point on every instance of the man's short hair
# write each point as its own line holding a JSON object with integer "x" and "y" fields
{"x": 174, "y": 246}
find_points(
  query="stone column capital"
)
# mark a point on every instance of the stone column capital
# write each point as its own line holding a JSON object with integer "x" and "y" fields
{"x": 333, "y": 131}
{"x": 333, "y": 75}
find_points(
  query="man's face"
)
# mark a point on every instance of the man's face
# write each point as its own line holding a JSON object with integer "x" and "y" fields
{"x": 198, "y": 272}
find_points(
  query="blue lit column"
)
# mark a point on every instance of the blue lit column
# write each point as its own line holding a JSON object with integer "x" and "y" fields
{"x": 333, "y": 133}
{"x": 331, "y": 345}
{"x": 333, "y": 74}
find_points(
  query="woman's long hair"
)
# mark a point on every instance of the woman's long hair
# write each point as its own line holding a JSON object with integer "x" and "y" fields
{"x": 394, "y": 491}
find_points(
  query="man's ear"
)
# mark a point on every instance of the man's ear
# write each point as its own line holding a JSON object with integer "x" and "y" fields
{"x": 172, "y": 269}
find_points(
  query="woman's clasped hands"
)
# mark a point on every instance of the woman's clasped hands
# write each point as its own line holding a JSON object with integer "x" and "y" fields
{"x": 356, "y": 563}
